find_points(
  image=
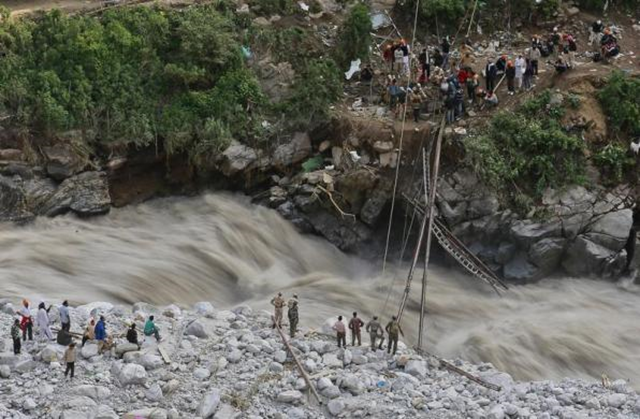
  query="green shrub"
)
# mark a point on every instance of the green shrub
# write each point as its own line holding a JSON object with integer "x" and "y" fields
{"x": 527, "y": 148}
{"x": 354, "y": 40}
{"x": 314, "y": 91}
{"x": 620, "y": 99}
{"x": 614, "y": 161}
{"x": 273, "y": 7}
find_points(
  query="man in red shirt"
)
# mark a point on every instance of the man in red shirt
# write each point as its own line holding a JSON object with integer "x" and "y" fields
{"x": 355, "y": 324}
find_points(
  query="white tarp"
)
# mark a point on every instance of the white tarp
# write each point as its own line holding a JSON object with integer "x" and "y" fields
{"x": 380, "y": 20}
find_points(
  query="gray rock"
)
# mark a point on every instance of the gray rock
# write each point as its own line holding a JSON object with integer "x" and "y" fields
{"x": 154, "y": 393}
{"x": 520, "y": 270}
{"x": 150, "y": 413}
{"x": 616, "y": 400}
{"x": 37, "y": 192}
{"x": 351, "y": 383}
{"x": 290, "y": 396}
{"x": 197, "y": 329}
{"x": 280, "y": 356}
{"x": 62, "y": 161}
{"x": 331, "y": 392}
{"x": 526, "y": 232}
{"x": 209, "y": 404}
{"x": 201, "y": 373}
{"x": 331, "y": 361}
{"x": 132, "y": 374}
{"x": 204, "y": 308}
{"x": 97, "y": 393}
{"x": 373, "y": 207}
{"x": 612, "y": 229}
{"x": 546, "y": 253}
{"x": 293, "y": 152}
{"x": 25, "y": 366}
{"x": 89, "y": 350}
{"x": 323, "y": 383}
{"x": 85, "y": 194}
{"x": 584, "y": 257}
{"x": 13, "y": 204}
{"x": 417, "y": 368}
{"x": 236, "y": 158}
{"x": 276, "y": 367}
{"x": 5, "y": 371}
{"x": 335, "y": 407}
{"x": 225, "y": 411}
{"x": 234, "y": 356}
{"x": 123, "y": 348}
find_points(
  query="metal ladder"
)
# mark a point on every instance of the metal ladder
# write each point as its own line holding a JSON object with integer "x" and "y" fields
{"x": 452, "y": 245}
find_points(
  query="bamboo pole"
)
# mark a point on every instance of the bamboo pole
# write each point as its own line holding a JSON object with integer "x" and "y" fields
{"x": 475, "y": 6}
{"x": 304, "y": 374}
{"x": 431, "y": 216}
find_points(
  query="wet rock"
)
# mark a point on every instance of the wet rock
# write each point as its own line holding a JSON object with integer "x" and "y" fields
{"x": 236, "y": 158}
{"x": 62, "y": 161}
{"x": 37, "y": 192}
{"x": 526, "y": 232}
{"x": 546, "y": 253}
{"x": 520, "y": 270}
{"x": 335, "y": 407}
{"x": 585, "y": 258}
{"x": 612, "y": 229}
{"x": 13, "y": 203}
{"x": 85, "y": 194}
{"x": 373, "y": 207}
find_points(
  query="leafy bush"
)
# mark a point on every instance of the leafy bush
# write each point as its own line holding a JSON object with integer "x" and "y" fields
{"x": 446, "y": 10}
{"x": 272, "y": 7}
{"x": 355, "y": 35}
{"x": 132, "y": 76}
{"x": 319, "y": 86}
{"x": 620, "y": 99}
{"x": 527, "y": 148}
{"x": 614, "y": 161}
{"x": 598, "y": 5}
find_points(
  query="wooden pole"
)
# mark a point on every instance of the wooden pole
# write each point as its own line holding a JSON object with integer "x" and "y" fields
{"x": 475, "y": 6}
{"x": 431, "y": 216}
{"x": 304, "y": 374}
{"x": 424, "y": 285}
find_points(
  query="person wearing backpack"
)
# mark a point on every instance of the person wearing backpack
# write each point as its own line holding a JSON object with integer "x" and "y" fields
{"x": 393, "y": 329}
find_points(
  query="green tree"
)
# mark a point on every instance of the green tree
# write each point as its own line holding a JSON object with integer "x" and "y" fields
{"x": 620, "y": 99}
{"x": 355, "y": 35}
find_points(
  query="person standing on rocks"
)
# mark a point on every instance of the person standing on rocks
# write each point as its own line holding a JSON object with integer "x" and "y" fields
{"x": 26, "y": 323}
{"x": 393, "y": 328}
{"x": 521, "y": 66}
{"x": 70, "y": 359}
{"x": 151, "y": 329}
{"x": 89, "y": 332}
{"x": 292, "y": 313}
{"x": 355, "y": 325}
{"x": 511, "y": 77}
{"x": 65, "y": 318}
{"x": 490, "y": 74}
{"x": 278, "y": 304}
{"x": 15, "y": 336}
{"x": 374, "y": 328}
{"x": 101, "y": 334}
{"x": 341, "y": 332}
{"x": 43, "y": 322}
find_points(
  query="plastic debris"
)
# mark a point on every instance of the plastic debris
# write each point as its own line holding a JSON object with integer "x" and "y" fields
{"x": 304, "y": 6}
{"x": 355, "y": 67}
{"x": 379, "y": 20}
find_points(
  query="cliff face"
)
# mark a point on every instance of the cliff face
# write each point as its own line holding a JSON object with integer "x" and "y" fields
{"x": 231, "y": 364}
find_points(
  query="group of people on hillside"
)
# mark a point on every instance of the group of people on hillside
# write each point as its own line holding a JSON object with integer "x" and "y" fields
{"x": 453, "y": 71}
{"x": 355, "y": 326}
{"x": 23, "y": 325}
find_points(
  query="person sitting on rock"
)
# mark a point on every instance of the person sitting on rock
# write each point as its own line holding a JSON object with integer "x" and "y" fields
{"x": 101, "y": 334}
{"x": 132, "y": 334}
{"x": 89, "y": 332}
{"x": 341, "y": 332}
{"x": 561, "y": 65}
{"x": 151, "y": 329}
{"x": 491, "y": 99}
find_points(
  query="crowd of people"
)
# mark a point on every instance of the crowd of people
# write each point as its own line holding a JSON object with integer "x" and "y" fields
{"x": 441, "y": 78}
{"x": 355, "y": 325}
{"x": 23, "y": 326}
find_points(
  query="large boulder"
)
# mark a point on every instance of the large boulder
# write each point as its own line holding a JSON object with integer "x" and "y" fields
{"x": 293, "y": 152}
{"x": 85, "y": 194}
{"x": 546, "y": 253}
{"x": 13, "y": 204}
{"x": 612, "y": 229}
{"x": 62, "y": 161}
{"x": 520, "y": 270}
{"x": 525, "y": 233}
{"x": 236, "y": 158}
{"x": 37, "y": 192}
{"x": 209, "y": 404}
{"x": 132, "y": 374}
{"x": 584, "y": 257}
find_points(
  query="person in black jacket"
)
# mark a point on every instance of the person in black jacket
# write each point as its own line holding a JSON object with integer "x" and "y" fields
{"x": 132, "y": 334}
{"x": 446, "y": 49}
{"x": 511, "y": 76}
{"x": 491, "y": 73}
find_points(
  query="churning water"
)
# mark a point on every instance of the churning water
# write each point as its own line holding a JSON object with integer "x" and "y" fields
{"x": 223, "y": 249}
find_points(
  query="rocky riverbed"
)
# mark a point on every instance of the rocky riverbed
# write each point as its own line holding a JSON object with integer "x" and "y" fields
{"x": 232, "y": 364}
